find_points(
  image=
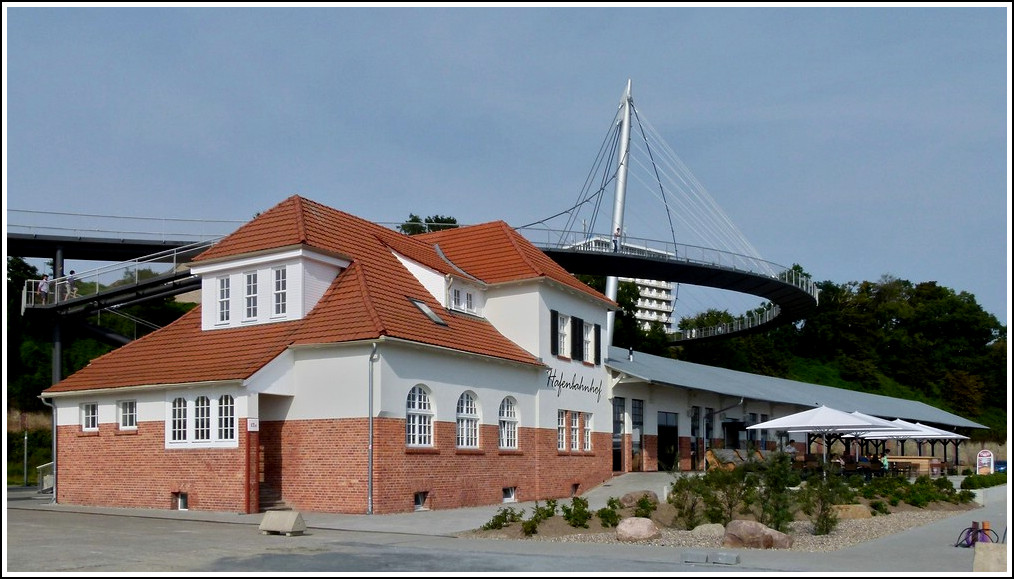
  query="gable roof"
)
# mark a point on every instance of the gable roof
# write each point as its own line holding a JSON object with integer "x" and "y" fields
{"x": 495, "y": 253}
{"x": 370, "y": 299}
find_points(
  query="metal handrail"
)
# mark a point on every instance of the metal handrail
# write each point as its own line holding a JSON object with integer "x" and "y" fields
{"x": 42, "y": 472}
{"x": 672, "y": 252}
{"x": 90, "y": 283}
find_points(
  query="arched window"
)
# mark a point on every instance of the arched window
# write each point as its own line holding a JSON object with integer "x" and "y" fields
{"x": 468, "y": 421}
{"x": 179, "y": 420}
{"x": 202, "y": 418}
{"x": 226, "y": 417}
{"x": 418, "y": 418}
{"x": 509, "y": 423}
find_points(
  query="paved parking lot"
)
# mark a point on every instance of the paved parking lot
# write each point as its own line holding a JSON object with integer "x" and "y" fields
{"x": 56, "y": 539}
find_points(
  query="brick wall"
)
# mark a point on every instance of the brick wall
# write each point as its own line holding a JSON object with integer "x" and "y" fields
{"x": 116, "y": 468}
{"x": 321, "y": 466}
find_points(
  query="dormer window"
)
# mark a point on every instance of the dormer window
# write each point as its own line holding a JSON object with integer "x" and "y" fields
{"x": 280, "y": 291}
{"x": 251, "y": 295}
{"x": 464, "y": 300}
{"x": 223, "y": 300}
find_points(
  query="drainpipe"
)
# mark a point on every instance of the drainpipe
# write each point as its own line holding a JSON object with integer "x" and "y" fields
{"x": 53, "y": 501}
{"x": 369, "y": 453}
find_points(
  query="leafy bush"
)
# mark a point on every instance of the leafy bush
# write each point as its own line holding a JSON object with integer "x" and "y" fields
{"x": 609, "y": 517}
{"x": 775, "y": 496}
{"x": 982, "y": 481}
{"x": 879, "y": 508}
{"x": 645, "y": 507}
{"x": 504, "y": 517}
{"x": 726, "y": 492}
{"x": 577, "y": 513}
{"x": 530, "y": 526}
{"x": 543, "y": 513}
{"x": 613, "y": 503}
{"x": 686, "y": 496}
{"x": 818, "y": 498}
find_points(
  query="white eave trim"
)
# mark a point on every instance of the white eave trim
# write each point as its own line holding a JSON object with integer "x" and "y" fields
{"x": 265, "y": 257}
{"x": 539, "y": 364}
{"x": 143, "y": 388}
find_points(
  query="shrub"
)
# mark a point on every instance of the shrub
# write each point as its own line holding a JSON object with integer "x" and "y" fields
{"x": 504, "y": 517}
{"x": 543, "y": 513}
{"x": 645, "y": 507}
{"x": 577, "y": 513}
{"x": 685, "y": 495}
{"x": 981, "y": 481}
{"x": 609, "y": 517}
{"x": 726, "y": 492}
{"x": 613, "y": 503}
{"x": 818, "y": 498}
{"x": 776, "y": 499}
{"x": 530, "y": 526}
{"x": 879, "y": 508}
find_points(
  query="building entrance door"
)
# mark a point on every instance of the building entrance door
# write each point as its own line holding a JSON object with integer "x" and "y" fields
{"x": 668, "y": 441}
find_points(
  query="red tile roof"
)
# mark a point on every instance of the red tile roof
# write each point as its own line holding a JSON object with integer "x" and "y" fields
{"x": 368, "y": 300}
{"x": 495, "y": 253}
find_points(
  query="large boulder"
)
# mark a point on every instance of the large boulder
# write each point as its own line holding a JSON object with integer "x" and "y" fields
{"x": 630, "y": 499}
{"x": 753, "y": 535}
{"x": 633, "y": 529}
{"x": 709, "y": 530}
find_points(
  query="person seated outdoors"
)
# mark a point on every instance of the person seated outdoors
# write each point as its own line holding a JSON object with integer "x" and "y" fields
{"x": 837, "y": 462}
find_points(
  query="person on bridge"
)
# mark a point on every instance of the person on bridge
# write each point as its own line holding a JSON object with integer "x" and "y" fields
{"x": 44, "y": 288}
{"x": 70, "y": 290}
{"x": 616, "y": 240}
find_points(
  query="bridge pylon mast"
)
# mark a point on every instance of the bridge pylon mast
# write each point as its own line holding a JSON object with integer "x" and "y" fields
{"x": 612, "y": 282}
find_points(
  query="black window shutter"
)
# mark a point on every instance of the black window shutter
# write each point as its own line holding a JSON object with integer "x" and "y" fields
{"x": 554, "y": 334}
{"x": 576, "y": 338}
{"x": 598, "y": 344}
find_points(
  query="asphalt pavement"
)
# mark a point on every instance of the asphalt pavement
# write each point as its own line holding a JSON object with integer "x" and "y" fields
{"x": 928, "y": 549}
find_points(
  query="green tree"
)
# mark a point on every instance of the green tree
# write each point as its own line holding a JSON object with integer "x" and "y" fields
{"x": 416, "y": 225}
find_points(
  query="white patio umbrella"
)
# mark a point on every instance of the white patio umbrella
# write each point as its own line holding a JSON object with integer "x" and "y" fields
{"x": 824, "y": 420}
{"x": 914, "y": 431}
{"x": 889, "y": 427}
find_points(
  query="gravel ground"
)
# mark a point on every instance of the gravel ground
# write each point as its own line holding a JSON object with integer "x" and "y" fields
{"x": 848, "y": 532}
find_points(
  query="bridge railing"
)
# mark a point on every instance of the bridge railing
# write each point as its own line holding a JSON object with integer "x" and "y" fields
{"x": 669, "y": 252}
{"x": 86, "y": 284}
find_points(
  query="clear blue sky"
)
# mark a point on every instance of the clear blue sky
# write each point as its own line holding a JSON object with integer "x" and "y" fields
{"x": 857, "y": 142}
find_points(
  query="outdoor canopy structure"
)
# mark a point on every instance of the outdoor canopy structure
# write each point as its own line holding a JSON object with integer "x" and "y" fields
{"x": 824, "y": 420}
{"x": 918, "y": 432}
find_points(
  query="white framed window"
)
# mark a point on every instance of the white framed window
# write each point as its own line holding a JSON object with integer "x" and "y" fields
{"x": 469, "y": 302}
{"x": 226, "y": 417}
{"x": 127, "y": 414}
{"x": 456, "y": 298}
{"x": 250, "y": 295}
{"x": 280, "y": 291}
{"x": 223, "y": 300}
{"x": 202, "y": 418}
{"x": 178, "y": 431}
{"x": 468, "y": 421}
{"x": 587, "y": 432}
{"x": 589, "y": 343}
{"x": 89, "y": 416}
{"x": 418, "y": 418}
{"x": 508, "y": 416}
{"x": 562, "y": 334}
{"x": 561, "y": 430}
{"x": 575, "y": 430}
